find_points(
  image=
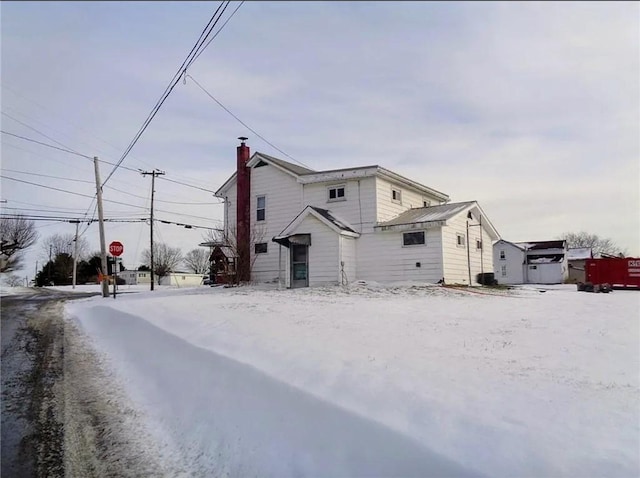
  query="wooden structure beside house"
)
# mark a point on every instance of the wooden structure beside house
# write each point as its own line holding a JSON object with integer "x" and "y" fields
{"x": 540, "y": 262}
{"x": 304, "y": 228}
{"x": 576, "y": 260}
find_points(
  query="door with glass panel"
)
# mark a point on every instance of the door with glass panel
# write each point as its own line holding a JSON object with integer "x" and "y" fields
{"x": 299, "y": 266}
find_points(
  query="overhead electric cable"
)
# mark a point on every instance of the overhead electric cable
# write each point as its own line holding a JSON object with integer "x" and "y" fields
{"x": 215, "y": 18}
{"x": 243, "y": 123}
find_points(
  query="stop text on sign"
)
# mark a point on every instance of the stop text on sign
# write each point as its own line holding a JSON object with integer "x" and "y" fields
{"x": 116, "y": 248}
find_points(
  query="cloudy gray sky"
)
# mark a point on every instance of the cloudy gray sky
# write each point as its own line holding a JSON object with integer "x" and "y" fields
{"x": 532, "y": 109}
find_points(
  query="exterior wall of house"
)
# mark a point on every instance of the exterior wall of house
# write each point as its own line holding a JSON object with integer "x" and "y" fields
{"x": 283, "y": 201}
{"x": 387, "y": 208}
{"x": 348, "y": 258}
{"x": 359, "y": 206}
{"x": 382, "y": 257}
{"x": 457, "y": 260}
{"x": 323, "y": 252}
{"x": 511, "y": 269}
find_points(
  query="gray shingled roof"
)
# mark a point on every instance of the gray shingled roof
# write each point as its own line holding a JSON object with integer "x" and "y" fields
{"x": 428, "y": 214}
{"x": 328, "y": 215}
{"x": 294, "y": 168}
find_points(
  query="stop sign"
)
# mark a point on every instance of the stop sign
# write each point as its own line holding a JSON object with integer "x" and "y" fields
{"x": 116, "y": 248}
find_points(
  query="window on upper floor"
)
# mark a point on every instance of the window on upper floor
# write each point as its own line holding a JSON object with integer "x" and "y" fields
{"x": 336, "y": 193}
{"x": 413, "y": 238}
{"x": 396, "y": 195}
{"x": 502, "y": 256}
{"x": 261, "y": 208}
{"x": 260, "y": 248}
{"x": 460, "y": 242}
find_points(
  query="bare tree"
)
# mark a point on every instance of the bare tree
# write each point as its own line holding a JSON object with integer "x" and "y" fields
{"x": 16, "y": 235}
{"x": 597, "y": 244}
{"x": 197, "y": 260}
{"x": 13, "y": 280}
{"x": 165, "y": 258}
{"x": 58, "y": 244}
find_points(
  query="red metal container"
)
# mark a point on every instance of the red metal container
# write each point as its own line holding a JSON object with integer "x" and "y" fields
{"x": 618, "y": 272}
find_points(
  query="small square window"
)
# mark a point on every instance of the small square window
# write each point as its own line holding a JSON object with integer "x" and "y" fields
{"x": 413, "y": 238}
{"x": 260, "y": 248}
{"x": 460, "y": 242}
{"x": 336, "y": 193}
{"x": 396, "y": 195}
{"x": 502, "y": 256}
{"x": 261, "y": 208}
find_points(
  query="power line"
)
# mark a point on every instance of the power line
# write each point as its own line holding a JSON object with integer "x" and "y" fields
{"x": 37, "y": 131}
{"x": 174, "y": 81}
{"x": 47, "y": 145}
{"x": 243, "y": 123}
{"x": 47, "y": 176}
{"x": 137, "y": 171}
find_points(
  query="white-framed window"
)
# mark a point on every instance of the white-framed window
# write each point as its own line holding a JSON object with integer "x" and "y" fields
{"x": 503, "y": 271}
{"x": 460, "y": 242}
{"x": 336, "y": 193}
{"x": 396, "y": 195}
{"x": 478, "y": 244}
{"x": 261, "y": 208}
{"x": 502, "y": 256}
{"x": 260, "y": 248}
{"x": 415, "y": 238}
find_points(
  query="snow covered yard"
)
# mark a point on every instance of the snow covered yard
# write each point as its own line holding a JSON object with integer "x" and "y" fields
{"x": 518, "y": 383}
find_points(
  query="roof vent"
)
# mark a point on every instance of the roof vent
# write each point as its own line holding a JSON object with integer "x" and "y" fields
{"x": 242, "y": 139}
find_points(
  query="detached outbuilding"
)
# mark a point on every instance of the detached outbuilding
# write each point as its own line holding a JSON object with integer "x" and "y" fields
{"x": 540, "y": 262}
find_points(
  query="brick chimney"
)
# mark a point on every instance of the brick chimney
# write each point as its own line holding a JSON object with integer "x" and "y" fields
{"x": 243, "y": 218}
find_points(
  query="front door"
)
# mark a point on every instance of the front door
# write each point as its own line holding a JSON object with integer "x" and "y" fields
{"x": 299, "y": 266}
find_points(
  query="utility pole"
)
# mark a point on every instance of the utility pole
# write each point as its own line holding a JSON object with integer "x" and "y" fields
{"x": 50, "y": 265}
{"x": 103, "y": 246}
{"x": 75, "y": 253}
{"x": 154, "y": 173}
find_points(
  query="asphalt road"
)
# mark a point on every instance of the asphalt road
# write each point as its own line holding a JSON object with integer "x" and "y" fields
{"x": 32, "y": 333}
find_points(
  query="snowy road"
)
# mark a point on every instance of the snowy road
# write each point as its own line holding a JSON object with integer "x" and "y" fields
{"x": 250, "y": 424}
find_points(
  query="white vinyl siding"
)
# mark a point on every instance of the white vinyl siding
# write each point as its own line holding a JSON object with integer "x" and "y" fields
{"x": 387, "y": 208}
{"x": 358, "y": 210}
{"x": 348, "y": 270}
{"x": 510, "y": 269}
{"x": 457, "y": 260}
{"x": 283, "y": 200}
{"x": 382, "y": 257}
{"x": 323, "y": 252}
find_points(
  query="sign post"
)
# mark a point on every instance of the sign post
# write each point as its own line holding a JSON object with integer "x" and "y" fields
{"x": 115, "y": 249}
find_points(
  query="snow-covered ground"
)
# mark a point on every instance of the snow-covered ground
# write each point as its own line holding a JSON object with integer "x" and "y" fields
{"x": 404, "y": 380}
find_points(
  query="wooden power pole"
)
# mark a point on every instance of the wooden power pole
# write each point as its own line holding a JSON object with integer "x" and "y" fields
{"x": 153, "y": 174}
{"x": 103, "y": 245}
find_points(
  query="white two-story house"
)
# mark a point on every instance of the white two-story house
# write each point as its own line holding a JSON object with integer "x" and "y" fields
{"x": 304, "y": 228}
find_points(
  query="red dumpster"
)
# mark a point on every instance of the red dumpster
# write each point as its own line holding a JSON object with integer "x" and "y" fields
{"x": 619, "y": 272}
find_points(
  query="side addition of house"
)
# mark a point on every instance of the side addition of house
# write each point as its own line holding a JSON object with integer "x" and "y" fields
{"x": 304, "y": 228}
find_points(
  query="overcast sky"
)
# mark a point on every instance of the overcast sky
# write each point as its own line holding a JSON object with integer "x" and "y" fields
{"x": 532, "y": 109}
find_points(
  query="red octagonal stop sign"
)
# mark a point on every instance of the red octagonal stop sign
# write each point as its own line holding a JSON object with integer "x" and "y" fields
{"x": 116, "y": 248}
